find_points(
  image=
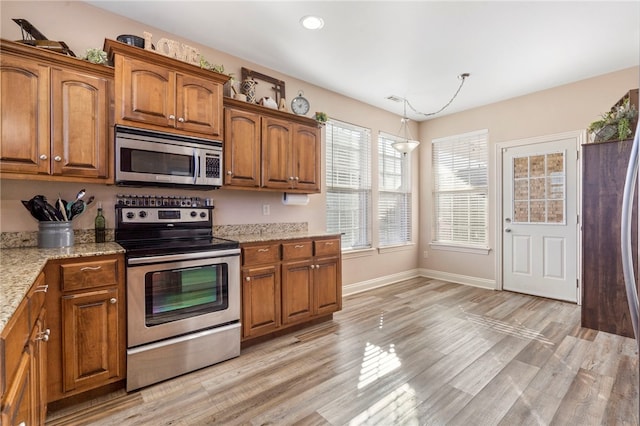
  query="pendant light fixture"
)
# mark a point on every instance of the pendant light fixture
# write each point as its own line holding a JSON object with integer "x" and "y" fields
{"x": 407, "y": 144}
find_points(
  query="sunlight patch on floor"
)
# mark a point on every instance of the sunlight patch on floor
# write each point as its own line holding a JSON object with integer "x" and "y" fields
{"x": 376, "y": 362}
{"x": 503, "y": 327}
{"x": 391, "y": 409}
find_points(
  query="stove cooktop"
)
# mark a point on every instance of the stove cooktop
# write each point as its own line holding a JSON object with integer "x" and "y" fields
{"x": 157, "y": 247}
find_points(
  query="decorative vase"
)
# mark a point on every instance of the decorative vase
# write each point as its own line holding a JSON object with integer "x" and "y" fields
{"x": 248, "y": 87}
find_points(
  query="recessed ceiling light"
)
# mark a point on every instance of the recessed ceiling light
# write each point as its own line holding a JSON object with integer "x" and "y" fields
{"x": 311, "y": 22}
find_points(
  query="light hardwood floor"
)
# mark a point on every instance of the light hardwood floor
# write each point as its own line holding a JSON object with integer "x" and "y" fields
{"x": 420, "y": 352}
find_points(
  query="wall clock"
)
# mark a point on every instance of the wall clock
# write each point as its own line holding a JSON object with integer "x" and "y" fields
{"x": 299, "y": 104}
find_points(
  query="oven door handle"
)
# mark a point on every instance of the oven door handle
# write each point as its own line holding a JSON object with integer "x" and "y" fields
{"x": 183, "y": 256}
{"x": 196, "y": 166}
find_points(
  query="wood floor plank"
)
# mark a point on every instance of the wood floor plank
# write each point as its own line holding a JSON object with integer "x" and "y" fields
{"x": 419, "y": 352}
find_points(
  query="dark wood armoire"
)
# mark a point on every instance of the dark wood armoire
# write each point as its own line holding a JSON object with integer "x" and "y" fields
{"x": 604, "y": 300}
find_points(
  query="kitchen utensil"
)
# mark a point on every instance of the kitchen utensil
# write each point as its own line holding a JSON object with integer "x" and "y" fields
{"x": 45, "y": 209}
{"x": 77, "y": 208}
{"x": 90, "y": 200}
{"x": 35, "y": 212}
{"x": 62, "y": 207}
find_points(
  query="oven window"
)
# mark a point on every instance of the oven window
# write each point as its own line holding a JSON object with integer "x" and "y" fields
{"x": 161, "y": 163}
{"x": 182, "y": 293}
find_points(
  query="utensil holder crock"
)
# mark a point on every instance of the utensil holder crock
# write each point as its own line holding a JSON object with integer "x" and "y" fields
{"x": 55, "y": 234}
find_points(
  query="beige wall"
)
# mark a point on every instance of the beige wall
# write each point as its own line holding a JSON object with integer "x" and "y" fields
{"x": 83, "y": 26}
{"x": 562, "y": 109}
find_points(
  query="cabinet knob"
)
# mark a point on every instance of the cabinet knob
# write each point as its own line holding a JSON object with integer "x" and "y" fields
{"x": 297, "y": 178}
{"x": 57, "y": 158}
{"x": 291, "y": 178}
{"x": 43, "y": 157}
{"x": 247, "y": 279}
{"x": 181, "y": 120}
{"x": 229, "y": 172}
{"x": 172, "y": 117}
{"x": 313, "y": 266}
{"x": 317, "y": 266}
{"x": 44, "y": 335}
{"x": 113, "y": 300}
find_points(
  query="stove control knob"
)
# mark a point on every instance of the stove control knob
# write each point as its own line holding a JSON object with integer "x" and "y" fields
{"x": 194, "y": 214}
{"x": 130, "y": 215}
{"x": 142, "y": 214}
{"x": 203, "y": 215}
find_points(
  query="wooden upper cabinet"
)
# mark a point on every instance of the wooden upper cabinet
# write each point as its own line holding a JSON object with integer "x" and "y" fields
{"x": 24, "y": 115}
{"x": 160, "y": 93}
{"x": 241, "y": 148}
{"x": 145, "y": 92}
{"x": 271, "y": 150}
{"x": 80, "y": 114}
{"x": 305, "y": 157}
{"x": 277, "y": 137}
{"x": 55, "y": 116}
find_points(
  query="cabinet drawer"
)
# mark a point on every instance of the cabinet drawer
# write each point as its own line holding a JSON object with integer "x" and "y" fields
{"x": 254, "y": 255}
{"x": 327, "y": 247}
{"x": 297, "y": 250}
{"x": 76, "y": 276}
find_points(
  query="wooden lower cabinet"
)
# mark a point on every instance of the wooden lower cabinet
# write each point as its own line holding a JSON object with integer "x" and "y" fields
{"x": 87, "y": 306}
{"x": 302, "y": 283}
{"x": 23, "y": 343}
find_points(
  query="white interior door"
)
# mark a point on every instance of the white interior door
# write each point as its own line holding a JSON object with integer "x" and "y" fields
{"x": 539, "y": 219}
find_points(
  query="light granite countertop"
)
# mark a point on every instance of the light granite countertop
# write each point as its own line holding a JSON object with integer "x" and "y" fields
{"x": 274, "y": 236}
{"x": 19, "y": 268}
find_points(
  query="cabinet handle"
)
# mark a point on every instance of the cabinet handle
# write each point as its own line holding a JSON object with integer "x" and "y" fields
{"x": 229, "y": 172}
{"x": 43, "y": 157}
{"x": 41, "y": 289}
{"x": 247, "y": 279}
{"x": 291, "y": 178}
{"x": 313, "y": 266}
{"x": 297, "y": 178}
{"x": 113, "y": 300}
{"x": 317, "y": 266}
{"x": 57, "y": 158}
{"x": 263, "y": 250}
{"x": 90, "y": 268}
{"x": 328, "y": 243}
{"x": 181, "y": 120}
{"x": 172, "y": 117}
{"x": 298, "y": 246}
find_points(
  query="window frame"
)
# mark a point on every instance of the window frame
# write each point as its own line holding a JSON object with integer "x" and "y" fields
{"x": 457, "y": 191}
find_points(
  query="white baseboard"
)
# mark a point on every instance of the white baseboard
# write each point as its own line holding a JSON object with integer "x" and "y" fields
{"x": 459, "y": 279}
{"x": 413, "y": 273}
{"x": 378, "y": 282}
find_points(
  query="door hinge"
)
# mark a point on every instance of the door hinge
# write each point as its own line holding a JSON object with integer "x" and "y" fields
{"x": 578, "y": 219}
{"x": 577, "y": 282}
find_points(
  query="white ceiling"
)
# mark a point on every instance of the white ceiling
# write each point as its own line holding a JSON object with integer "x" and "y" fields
{"x": 369, "y": 50}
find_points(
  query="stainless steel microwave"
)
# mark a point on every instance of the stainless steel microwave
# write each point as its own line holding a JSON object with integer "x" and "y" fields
{"x": 149, "y": 158}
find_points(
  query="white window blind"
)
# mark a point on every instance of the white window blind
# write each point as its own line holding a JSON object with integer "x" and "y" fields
{"x": 394, "y": 193}
{"x": 460, "y": 189}
{"x": 348, "y": 173}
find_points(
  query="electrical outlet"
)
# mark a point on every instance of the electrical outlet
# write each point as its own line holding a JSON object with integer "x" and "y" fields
{"x": 266, "y": 210}
{"x": 425, "y": 254}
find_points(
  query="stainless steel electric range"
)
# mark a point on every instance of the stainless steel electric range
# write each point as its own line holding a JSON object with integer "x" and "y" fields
{"x": 183, "y": 287}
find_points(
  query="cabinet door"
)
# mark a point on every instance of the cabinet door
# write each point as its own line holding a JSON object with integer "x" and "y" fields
{"x": 241, "y": 148}
{"x": 17, "y": 402}
{"x": 90, "y": 338}
{"x": 297, "y": 291}
{"x": 327, "y": 285}
{"x": 145, "y": 93}
{"x": 198, "y": 105}
{"x": 260, "y": 300}
{"x": 80, "y": 111}
{"x": 24, "y": 116}
{"x": 277, "y": 136}
{"x": 39, "y": 368}
{"x": 306, "y": 158}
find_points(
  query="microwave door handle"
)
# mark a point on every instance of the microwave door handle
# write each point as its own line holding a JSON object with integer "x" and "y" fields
{"x": 196, "y": 166}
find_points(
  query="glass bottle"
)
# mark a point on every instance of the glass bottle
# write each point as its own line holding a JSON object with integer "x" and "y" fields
{"x": 100, "y": 226}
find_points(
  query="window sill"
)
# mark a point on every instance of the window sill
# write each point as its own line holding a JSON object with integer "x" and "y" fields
{"x": 399, "y": 247}
{"x": 460, "y": 249}
{"x": 352, "y": 254}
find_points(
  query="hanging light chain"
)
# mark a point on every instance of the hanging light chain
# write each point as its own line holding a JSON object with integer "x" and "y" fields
{"x": 462, "y": 77}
